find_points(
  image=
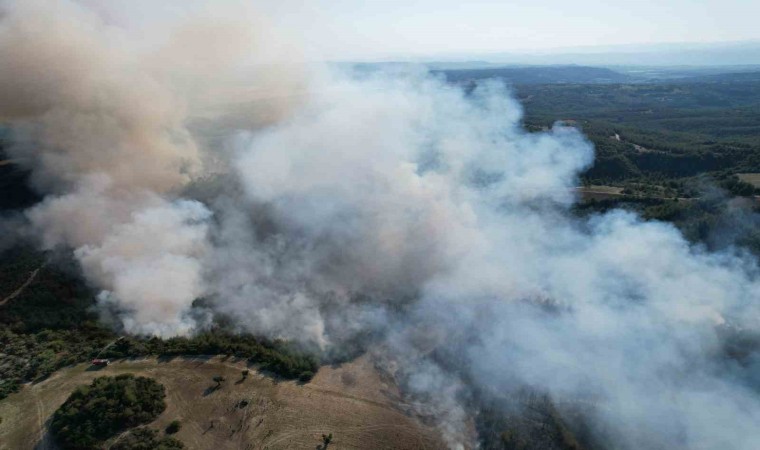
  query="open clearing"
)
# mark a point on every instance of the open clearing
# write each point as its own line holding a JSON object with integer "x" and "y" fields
{"x": 350, "y": 401}
{"x": 751, "y": 178}
{"x": 598, "y": 192}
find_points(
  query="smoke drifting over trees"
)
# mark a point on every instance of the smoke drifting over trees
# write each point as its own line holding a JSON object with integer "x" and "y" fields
{"x": 103, "y": 122}
{"x": 393, "y": 208}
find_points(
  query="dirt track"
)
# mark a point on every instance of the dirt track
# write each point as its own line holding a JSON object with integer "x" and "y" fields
{"x": 352, "y": 402}
{"x": 20, "y": 290}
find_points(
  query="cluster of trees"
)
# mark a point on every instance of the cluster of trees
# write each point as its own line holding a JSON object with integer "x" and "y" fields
{"x": 92, "y": 414}
{"x": 34, "y": 356}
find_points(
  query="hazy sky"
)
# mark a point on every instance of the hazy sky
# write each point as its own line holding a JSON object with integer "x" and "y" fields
{"x": 389, "y": 28}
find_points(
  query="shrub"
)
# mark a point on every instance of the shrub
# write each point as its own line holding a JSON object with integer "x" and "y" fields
{"x": 306, "y": 376}
{"x": 173, "y": 427}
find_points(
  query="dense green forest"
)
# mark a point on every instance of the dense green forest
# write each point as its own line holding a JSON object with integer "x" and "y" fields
{"x": 656, "y": 132}
{"x": 644, "y": 130}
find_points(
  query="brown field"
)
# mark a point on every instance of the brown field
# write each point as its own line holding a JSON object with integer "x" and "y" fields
{"x": 751, "y": 178}
{"x": 352, "y": 402}
{"x": 598, "y": 192}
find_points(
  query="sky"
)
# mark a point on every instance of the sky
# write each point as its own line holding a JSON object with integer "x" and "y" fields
{"x": 379, "y": 29}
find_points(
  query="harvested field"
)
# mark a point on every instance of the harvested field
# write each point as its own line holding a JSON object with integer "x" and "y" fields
{"x": 351, "y": 401}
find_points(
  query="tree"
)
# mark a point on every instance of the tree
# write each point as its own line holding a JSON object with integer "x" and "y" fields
{"x": 218, "y": 380}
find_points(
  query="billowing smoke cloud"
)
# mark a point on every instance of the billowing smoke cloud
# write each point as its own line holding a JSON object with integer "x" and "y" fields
{"x": 392, "y": 213}
{"x": 103, "y": 119}
{"x": 405, "y": 206}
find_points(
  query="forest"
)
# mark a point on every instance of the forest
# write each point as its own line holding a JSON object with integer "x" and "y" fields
{"x": 657, "y": 131}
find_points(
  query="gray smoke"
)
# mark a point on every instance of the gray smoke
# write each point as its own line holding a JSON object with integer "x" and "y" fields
{"x": 393, "y": 211}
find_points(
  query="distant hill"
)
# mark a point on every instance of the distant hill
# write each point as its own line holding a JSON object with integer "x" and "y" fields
{"x": 664, "y": 54}
{"x": 724, "y": 78}
{"x": 540, "y": 75}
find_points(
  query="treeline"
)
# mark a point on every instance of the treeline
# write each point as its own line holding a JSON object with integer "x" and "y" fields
{"x": 278, "y": 357}
{"x": 536, "y": 74}
{"x": 34, "y": 356}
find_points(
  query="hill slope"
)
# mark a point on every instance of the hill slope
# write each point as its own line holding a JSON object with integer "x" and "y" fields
{"x": 351, "y": 401}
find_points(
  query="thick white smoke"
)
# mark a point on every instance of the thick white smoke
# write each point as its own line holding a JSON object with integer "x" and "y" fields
{"x": 455, "y": 224}
{"x": 390, "y": 211}
{"x": 103, "y": 117}
{"x": 383, "y": 185}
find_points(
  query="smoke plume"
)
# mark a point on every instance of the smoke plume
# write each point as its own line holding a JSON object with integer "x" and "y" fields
{"x": 389, "y": 210}
{"x": 104, "y": 120}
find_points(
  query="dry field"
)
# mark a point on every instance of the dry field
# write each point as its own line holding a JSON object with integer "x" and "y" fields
{"x": 599, "y": 192}
{"x": 351, "y": 401}
{"x": 751, "y": 178}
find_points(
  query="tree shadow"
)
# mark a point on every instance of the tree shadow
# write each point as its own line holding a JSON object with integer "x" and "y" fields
{"x": 168, "y": 357}
{"x": 48, "y": 441}
{"x": 210, "y": 390}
